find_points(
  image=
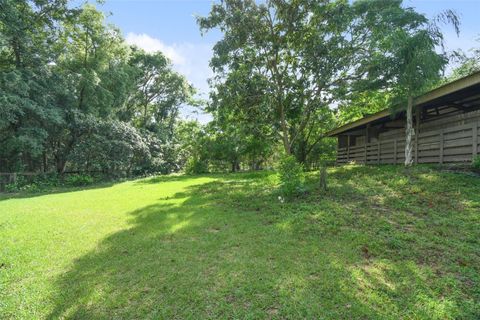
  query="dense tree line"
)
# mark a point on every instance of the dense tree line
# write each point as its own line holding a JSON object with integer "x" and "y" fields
{"x": 74, "y": 96}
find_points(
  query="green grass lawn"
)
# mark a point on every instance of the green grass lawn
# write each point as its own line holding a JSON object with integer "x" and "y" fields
{"x": 381, "y": 243}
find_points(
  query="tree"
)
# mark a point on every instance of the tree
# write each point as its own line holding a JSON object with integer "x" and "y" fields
{"x": 195, "y": 145}
{"x": 28, "y": 33}
{"x": 93, "y": 55}
{"x": 413, "y": 61}
{"x": 74, "y": 95}
{"x": 110, "y": 146}
{"x": 361, "y": 104}
{"x": 240, "y": 135}
{"x": 157, "y": 91}
{"x": 293, "y": 59}
{"x": 467, "y": 64}
{"x": 28, "y": 30}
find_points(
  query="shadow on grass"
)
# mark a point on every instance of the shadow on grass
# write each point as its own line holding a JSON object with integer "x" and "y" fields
{"x": 55, "y": 190}
{"x": 227, "y": 249}
{"x": 166, "y": 178}
{"x": 184, "y": 177}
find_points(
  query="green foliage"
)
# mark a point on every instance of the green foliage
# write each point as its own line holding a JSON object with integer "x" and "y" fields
{"x": 361, "y": 104}
{"x": 32, "y": 184}
{"x": 291, "y": 176}
{"x": 75, "y": 97}
{"x": 281, "y": 66}
{"x": 373, "y": 246}
{"x": 78, "y": 180}
{"x": 466, "y": 63}
{"x": 112, "y": 147}
{"x": 476, "y": 163}
{"x": 196, "y": 166}
{"x": 50, "y": 181}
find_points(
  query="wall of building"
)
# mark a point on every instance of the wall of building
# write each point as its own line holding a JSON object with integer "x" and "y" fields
{"x": 450, "y": 137}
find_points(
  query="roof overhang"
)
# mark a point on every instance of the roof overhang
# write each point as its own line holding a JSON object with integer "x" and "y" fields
{"x": 431, "y": 96}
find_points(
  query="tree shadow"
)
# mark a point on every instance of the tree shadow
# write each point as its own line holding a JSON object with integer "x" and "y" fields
{"x": 166, "y": 178}
{"x": 228, "y": 249}
{"x": 56, "y": 190}
{"x": 184, "y": 177}
{"x": 191, "y": 256}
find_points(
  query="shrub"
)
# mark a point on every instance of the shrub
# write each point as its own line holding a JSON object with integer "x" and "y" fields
{"x": 33, "y": 183}
{"x": 291, "y": 176}
{"x": 78, "y": 180}
{"x": 195, "y": 166}
{"x": 476, "y": 163}
{"x": 12, "y": 187}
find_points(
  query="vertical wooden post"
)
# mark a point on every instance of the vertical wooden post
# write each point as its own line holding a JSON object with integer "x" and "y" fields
{"x": 395, "y": 151}
{"x": 475, "y": 140}
{"x": 366, "y": 141}
{"x": 13, "y": 178}
{"x": 348, "y": 148}
{"x": 337, "y": 147}
{"x": 378, "y": 150}
{"x": 417, "y": 131}
{"x": 365, "y": 154}
{"x": 441, "y": 146}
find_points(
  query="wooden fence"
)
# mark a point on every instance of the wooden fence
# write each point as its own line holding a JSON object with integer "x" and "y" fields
{"x": 446, "y": 145}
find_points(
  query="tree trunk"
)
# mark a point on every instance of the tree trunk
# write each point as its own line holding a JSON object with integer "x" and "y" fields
{"x": 61, "y": 162}
{"x": 45, "y": 162}
{"x": 283, "y": 122}
{"x": 80, "y": 100}
{"x": 409, "y": 133}
{"x": 323, "y": 178}
{"x": 17, "y": 52}
{"x": 145, "y": 115}
{"x": 301, "y": 153}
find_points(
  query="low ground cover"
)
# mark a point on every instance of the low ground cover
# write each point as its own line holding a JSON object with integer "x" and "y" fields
{"x": 382, "y": 242}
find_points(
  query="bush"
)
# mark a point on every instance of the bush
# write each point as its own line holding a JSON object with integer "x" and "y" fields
{"x": 476, "y": 163}
{"x": 291, "y": 176}
{"x": 33, "y": 183}
{"x": 77, "y": 180}
{"x": 196, "y": 166}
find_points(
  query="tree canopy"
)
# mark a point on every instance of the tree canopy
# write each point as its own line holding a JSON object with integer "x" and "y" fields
{"x": 285, "y": 63}
{"x": 74, "y": 94}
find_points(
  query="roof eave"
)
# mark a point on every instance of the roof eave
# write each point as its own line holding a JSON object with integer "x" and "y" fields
{"x": 439, "y": 92}
{"x": 359, "y": 122}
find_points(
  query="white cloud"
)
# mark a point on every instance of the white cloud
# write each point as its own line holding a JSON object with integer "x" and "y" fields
{"x": 189, "y": 59}
{"x": 150, "y": 44}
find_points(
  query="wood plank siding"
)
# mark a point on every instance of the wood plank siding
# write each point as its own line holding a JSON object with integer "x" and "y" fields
{"x": 449, "y": 139}
{"x": 446, "y": 122}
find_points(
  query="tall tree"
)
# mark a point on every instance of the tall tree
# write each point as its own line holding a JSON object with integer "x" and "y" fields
{"x": 299, "y": 56}
{"x": 66, "y": 78}
{"x": 92, "y": 55}
{"x": 157, "y": 91}
{"x": 413, "y": 61}
{"x": 29, "y": 31}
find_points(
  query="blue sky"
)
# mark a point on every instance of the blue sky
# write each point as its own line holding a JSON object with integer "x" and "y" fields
{"x": 170, "y": 26}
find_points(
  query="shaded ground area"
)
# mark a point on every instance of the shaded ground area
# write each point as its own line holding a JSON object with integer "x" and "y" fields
{"x": 382, "y": 242}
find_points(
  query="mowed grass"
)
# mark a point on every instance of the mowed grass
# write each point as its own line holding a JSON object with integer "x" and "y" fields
{"x": 382, "y": 243}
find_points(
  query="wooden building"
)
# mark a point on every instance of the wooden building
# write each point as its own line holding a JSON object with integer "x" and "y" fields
{"x": 446, "y": 122}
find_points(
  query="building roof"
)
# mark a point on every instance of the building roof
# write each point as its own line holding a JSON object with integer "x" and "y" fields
{"x": 438, "y": 95}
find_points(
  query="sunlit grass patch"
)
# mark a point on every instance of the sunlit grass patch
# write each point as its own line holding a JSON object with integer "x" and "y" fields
{"x": 381, "y": 243}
